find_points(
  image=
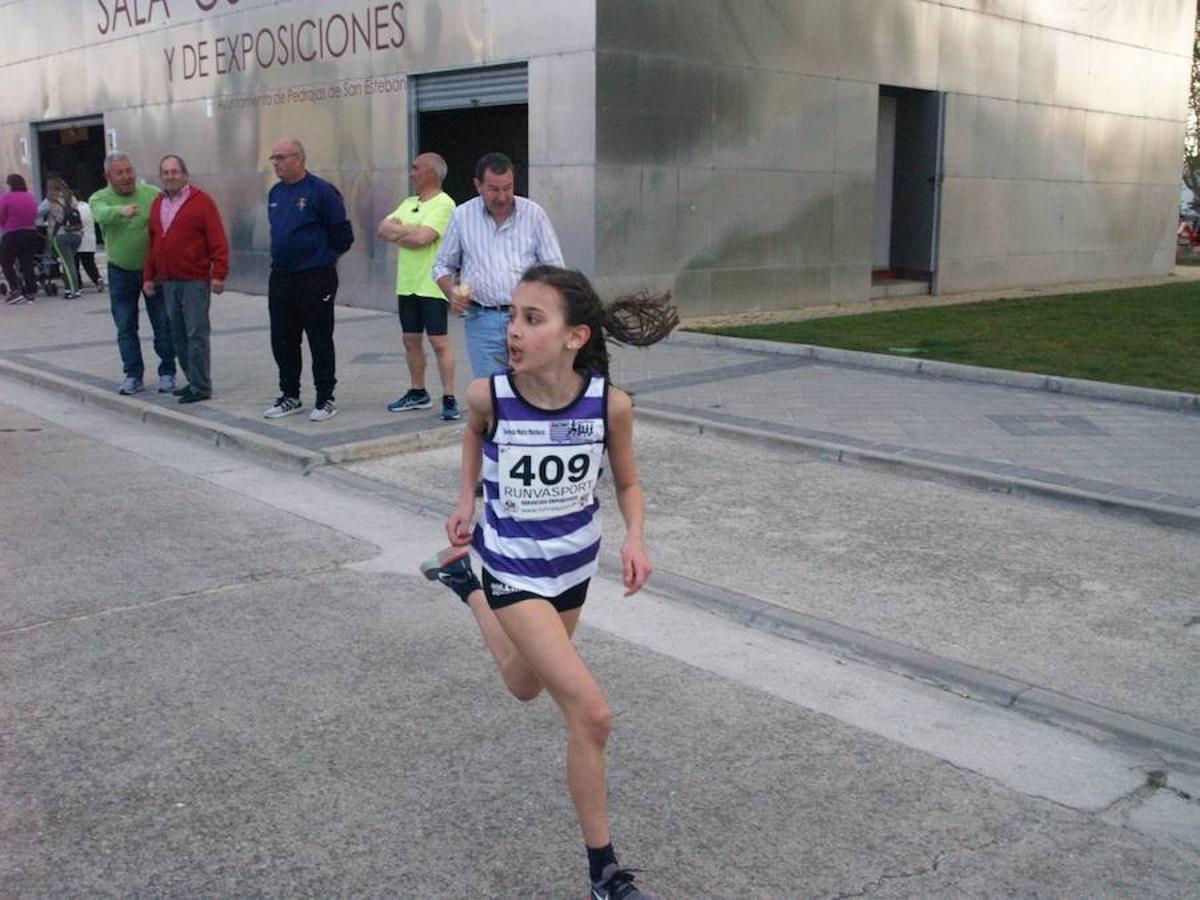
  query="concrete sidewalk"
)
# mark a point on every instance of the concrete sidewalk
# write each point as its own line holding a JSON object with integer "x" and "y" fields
{"x": 1003, "y": 431}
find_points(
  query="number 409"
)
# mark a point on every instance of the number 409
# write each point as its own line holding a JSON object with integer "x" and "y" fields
{"x": 550, "y": 469}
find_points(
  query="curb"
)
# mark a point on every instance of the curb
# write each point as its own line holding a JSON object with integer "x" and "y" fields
{"x": 221, "y": 435}
{"x": 891, "y": 462}
{"x": 943, "y": 672}
{"x": 1177, "y": 401}
{"x": 428, "y": 439}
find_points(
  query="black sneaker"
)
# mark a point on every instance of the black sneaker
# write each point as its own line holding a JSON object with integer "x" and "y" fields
{"x": 412, "y": 400}
{"x": 452, "y": 567}
{"x": 617, "y": 884}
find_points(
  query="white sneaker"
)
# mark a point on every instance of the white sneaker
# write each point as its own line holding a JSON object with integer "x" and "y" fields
{"x": 284, "y": 406}
{"x": 325, "y": 411}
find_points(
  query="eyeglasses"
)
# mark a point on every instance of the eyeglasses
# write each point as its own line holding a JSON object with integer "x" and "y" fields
{"x": 280, "y": 157}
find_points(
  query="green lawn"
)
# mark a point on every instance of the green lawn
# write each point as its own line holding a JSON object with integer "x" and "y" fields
{"x": 1143, "y": 336}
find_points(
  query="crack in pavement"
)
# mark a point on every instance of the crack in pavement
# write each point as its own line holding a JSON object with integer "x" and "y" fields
{"x": 933, "y": 866}
{"x": 251, "y": 578}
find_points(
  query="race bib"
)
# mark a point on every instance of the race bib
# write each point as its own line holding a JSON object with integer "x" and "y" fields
{"x": 544, "y": 482}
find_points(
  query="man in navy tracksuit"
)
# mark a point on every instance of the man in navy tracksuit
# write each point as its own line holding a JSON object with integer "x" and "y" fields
{"x": 309, "y": 231}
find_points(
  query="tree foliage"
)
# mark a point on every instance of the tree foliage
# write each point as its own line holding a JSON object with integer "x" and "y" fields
{"x": 1191, "y": 143}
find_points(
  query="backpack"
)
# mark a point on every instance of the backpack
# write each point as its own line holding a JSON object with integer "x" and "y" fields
{"x": 72, "y": 220}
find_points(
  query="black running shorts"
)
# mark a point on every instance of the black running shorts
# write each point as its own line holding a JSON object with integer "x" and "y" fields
{"x": 500, "y": 595}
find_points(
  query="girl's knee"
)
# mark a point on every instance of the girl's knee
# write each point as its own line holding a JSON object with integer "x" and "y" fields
{"x": 594, "y": 720}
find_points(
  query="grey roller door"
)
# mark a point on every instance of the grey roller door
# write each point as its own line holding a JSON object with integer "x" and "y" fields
{"x": 496, "y": 86}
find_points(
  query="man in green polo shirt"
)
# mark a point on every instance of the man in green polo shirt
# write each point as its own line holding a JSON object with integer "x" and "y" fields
{"x": 122, "y": 210}
{"x": 416, "y": 228}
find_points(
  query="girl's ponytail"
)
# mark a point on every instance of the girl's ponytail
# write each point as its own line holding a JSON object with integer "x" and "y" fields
{"x": 636, "y": 320}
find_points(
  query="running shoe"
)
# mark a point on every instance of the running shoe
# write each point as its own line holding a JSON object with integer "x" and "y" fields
{"x": 166, "y": 384}
{"x": 15, "y": 299}
{"x": 617, "y": 884}
{"x": 323, "y": 411}
{"x": 452, "y": 567}
{"x": 450, "y": 411}
{"x": 412, "y": 400}
{"x": 284, "y": 406}
{"x": 131, "y": 385}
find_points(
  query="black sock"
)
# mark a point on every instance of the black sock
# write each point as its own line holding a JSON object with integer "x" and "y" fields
{"x": 449, "y": 397}
{"x": 465, "y": 586}
{"x": 598, "y": 858}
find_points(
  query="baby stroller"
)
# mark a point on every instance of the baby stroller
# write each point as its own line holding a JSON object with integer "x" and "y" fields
{"x": 46, "y": 269}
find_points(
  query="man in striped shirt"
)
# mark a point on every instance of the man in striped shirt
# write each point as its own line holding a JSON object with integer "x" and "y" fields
{"x": 490, "y": 242}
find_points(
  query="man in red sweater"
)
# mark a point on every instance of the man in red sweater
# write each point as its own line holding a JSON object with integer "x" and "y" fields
{"x": 189, "y": 259}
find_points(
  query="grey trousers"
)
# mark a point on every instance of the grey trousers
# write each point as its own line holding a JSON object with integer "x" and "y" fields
{"x": 187, "y": 307}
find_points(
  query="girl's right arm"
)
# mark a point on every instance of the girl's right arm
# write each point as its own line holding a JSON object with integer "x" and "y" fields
{"x": 479, "y": 419}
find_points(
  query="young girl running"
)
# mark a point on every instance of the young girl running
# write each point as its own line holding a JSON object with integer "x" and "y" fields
{"x": 538, "y": 432}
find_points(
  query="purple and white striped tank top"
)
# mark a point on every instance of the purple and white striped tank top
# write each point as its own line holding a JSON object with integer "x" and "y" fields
{"x": 540, "y": 529}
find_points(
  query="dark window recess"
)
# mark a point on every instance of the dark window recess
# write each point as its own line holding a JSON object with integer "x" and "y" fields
{"x": 462, "y": 136}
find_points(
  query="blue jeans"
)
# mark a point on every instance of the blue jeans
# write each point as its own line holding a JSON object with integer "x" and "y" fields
{"x": 487, "y": 340}
{"x": 124, "y": 288}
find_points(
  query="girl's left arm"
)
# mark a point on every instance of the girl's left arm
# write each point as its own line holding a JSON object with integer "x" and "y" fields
{"x": 635, "y": 561}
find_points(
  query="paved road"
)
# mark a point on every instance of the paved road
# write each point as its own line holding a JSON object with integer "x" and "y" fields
{"x": 1007, "y": 437}
{"x": 1047, "y": 594}
{"x": 223, "y": 679}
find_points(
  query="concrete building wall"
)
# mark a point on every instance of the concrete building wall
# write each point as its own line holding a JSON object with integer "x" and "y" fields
{"x": 66, "y": 58}
{"x": 736, "y": 146}
{"x": 1075, "y": 153}
{"x": 724, "y": 148}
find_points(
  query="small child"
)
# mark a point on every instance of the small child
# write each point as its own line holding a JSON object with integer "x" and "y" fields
{"x": 538, "y": 432}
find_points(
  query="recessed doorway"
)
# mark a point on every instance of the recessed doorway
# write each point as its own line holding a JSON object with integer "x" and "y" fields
{"x": 73, "y": 151}
{"x": 908, "y": 175}
{"x": 464, "y": 114}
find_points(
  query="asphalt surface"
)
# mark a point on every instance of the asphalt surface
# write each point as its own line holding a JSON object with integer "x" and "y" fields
{"x": 221, "y": 676}
{"x": 1047, "y": 594}
{"x": 215, "y": 684}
